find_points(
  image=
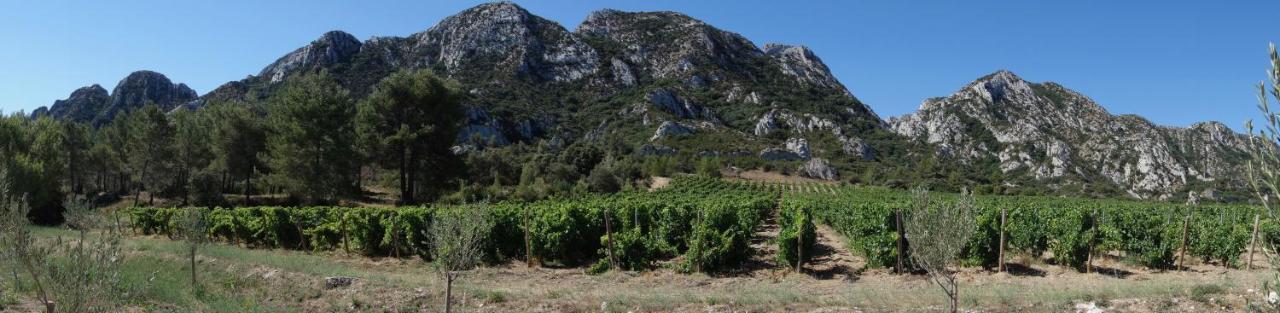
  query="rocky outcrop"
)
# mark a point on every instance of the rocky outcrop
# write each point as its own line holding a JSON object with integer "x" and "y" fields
{"x": 668, "y": 101}
{"x": 82, "y": 106}
{"x": 803, "y": 64}
{"x": 794, "y": 149}
{"x": 482, "y": 129}
{"x": 670, "y": 129}
{"x": 331, "y": 48}
{"x": 801, "y": 124}
{"x": 504, "y": 37}
{"x": 778, "y": 154}
{"x": 800, "y": 147}
{"x": 818, "y": 168}
{"x": 94, "y": 105}
{"x": 690, "y": 51}
{"x": 146, "y": 87}
{"x": 1050, "y": 132}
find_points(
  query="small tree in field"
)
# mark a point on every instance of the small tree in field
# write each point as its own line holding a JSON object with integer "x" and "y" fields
{"x": 938, "y": 233}
{"x": 195, "y": 232}
{"x": 17, "y": 244}
{"x": 457, "y": 237}
{"x": 86, "y": 277}
{"x": 1264, "y": 166}
{"x": 1264, "y": 162}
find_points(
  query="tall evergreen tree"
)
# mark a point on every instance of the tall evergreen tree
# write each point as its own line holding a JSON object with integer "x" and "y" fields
{"x": 239, "y": 140}
{"x": 192, "y": 148}
{"x": 150, "y": 150}
{"x": 410, "y": 122}
{"x": 312, "y": 149}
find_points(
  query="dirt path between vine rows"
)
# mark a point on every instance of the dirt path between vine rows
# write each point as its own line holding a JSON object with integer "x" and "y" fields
{"x": 764, "y": 256}
{"x": 831, "y": 258}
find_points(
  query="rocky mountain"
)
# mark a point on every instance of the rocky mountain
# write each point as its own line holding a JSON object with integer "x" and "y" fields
{"x": 83, "y": 105}
{"x": 657, "y": 79}
{"x": 1047, "y": 132}
{"x": 665, "y": 83}
{"x": 94, "y": 105}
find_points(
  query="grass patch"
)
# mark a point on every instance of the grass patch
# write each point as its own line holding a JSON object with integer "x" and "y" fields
{"x": 1204, "y": 292}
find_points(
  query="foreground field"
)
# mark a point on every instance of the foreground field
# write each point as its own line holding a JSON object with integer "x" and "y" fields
{"x": 698, "y": 244}
{"x": 240, "y": 279}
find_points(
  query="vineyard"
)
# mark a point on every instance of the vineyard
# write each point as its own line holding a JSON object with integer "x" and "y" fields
{"x": 705, "y": 225}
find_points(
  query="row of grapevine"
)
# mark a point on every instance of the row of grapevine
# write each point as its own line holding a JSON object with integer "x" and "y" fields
{"x": 704, "y": 220}
{"x": 797, "y": 233}
{"x": 1072, "y": 230}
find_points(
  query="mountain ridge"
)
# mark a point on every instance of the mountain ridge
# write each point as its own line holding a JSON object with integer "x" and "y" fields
{"x": 665, "y": 82}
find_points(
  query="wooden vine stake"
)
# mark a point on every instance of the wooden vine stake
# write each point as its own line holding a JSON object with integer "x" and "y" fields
{"x": 1000, "y": 262}
{"x": 1253, "y": 240}
{"x": 608, "y": 230}
{"x": 346, "y": 247}
{"x": 800, "y": 246}
{"x": 528, "y": 244}
{"x": 897, "y": 216}
{"x": 1182, "y": 255}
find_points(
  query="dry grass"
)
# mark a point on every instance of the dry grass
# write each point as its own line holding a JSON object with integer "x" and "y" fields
{"x": 279, "y": 280}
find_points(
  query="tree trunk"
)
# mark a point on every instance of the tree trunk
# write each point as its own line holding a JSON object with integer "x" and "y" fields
{"x": 193, "y": 266}
{"x": 448, "y": 292}
{"x": 248, "y": 174}
{"x": 412, "y": 176}
{"x": 955, "y": 297}
{"x": 404, "y": 180}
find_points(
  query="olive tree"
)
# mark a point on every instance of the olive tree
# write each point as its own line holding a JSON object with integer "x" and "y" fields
{"x": 194, "y": 230}
{"x": 937, "y": 233}
{"x": 1264, "y": 164}
{"x": 17, "y": 244}
{"x": 457, "y": 239}
{"x": 87, "y": 276}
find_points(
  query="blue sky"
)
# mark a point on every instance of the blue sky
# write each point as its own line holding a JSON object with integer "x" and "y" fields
{"x": 1174, "y": 62}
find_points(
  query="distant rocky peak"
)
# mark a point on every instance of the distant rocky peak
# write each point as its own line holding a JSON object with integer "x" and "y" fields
{"x": 91, "y": 90}
{"x": 503, "y": 37}
{"x": 141, "y": 87}
{"x": 602, "y": 22}
{"x": 331, "y": 48}
{"x": 149, "y": 83}
{"x": 82, "y": 105}
{"x": 669, "y": 45}
{"x": 494, "y": 11}
{"x": 802, "y": 63}
{"x": 1001, "y": 86}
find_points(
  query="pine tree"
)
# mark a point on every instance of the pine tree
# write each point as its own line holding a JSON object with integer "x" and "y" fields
{"x": 192, "y": 148}
{"x": 239, "y": 138}
{"x": 151, "y": 150}
{"x": 411, "y": 121}
{"x": 311, "y": 152}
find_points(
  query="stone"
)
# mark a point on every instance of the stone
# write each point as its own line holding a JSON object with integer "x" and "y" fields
{"x": 777, "y": 154}
{"x": 338, "y": 282}
{"x": 800, "y": 147}
{"x": 818, "y": 168}
{"x": 670, "y": 129}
